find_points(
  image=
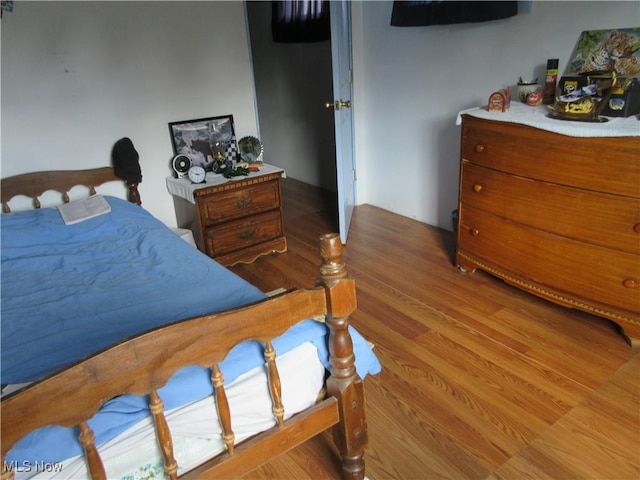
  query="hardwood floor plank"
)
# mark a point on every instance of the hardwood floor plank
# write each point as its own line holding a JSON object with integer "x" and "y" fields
{"x": 418, "y": 449}
{"x": 480, "y": 380}
{"x": 428, "y": 319}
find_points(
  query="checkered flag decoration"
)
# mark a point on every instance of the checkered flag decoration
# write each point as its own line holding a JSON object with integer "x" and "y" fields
{"x": 231, "y": 150}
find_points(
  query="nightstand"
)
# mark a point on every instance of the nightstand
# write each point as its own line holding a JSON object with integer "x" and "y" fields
{"x": 233, "y": 220}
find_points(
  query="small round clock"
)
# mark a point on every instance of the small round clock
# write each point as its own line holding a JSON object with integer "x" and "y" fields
{"x": 197, "y": 174}
{"x": 181, "y": 164}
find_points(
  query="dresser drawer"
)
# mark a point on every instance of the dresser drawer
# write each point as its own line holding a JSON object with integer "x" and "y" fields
{"x": 581, "y": 271}
{"x": 240, "y": 202}
{"x": 239, "y": 234}
{"x": 598, "y": 218}
{"x": 607, "y": 164}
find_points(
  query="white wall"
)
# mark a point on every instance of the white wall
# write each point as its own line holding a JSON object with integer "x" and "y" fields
{"x": 77, "y": 76}
{"x": 411, "y": 82}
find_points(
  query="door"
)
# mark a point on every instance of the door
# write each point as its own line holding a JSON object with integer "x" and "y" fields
{"x": 341, "y": 58}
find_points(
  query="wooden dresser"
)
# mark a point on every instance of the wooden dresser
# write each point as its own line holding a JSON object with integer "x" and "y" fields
{"x": 555, "y": 215}
{"x": 236, "y": 220}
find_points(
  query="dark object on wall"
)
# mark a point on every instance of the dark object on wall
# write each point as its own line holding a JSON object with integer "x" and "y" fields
{"x": 424, "y": 13}
{"x": 300, "y": 21}
{"x": 126, "y": 163}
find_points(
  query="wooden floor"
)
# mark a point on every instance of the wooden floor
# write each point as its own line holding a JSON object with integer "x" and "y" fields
{"x": 479, "y": 380}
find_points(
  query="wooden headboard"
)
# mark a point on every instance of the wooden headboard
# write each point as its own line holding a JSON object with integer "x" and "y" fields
{"x": 35, "y": 184}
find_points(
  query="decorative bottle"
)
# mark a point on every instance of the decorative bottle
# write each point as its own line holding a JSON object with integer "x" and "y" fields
{"x": 550, "y": 80}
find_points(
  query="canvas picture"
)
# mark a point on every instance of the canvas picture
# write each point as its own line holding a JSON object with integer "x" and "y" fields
{"x": 616, "y": 50}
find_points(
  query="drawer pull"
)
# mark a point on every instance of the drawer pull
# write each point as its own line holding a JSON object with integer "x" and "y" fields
{"x": 474, "y": 232}
{"x": 479, "y": 148}
{"x": 477, "y": 187}
{"x": 630, "y": 283}
{"x": 636, "y": 228}
{"x": 244, "y": 203}
{"x": 247, "y": 234}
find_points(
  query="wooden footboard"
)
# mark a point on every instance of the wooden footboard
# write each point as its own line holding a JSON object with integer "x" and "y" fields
{"x": 143, "y": 364}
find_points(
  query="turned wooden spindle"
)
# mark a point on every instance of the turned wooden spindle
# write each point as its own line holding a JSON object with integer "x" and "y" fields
{"x": 222, "y": 406}
{"x": 275, "y": 388}
{"x": 164, "y": 435}
{"x": 87, "y": 439}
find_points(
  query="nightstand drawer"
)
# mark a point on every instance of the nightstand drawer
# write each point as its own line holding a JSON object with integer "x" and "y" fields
{"x": 243, "y": 233}
{"x": 578, "y": 270}
{"x": 240, "y": 202}
{"x": 592, "y": 217}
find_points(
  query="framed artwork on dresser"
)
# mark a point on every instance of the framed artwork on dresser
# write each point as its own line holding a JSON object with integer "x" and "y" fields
{"x": 614, "y": 50}
{"x": 203, "y": 139}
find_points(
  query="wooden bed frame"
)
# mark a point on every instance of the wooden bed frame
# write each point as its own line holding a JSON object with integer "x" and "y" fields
{"x": 34, "y": 184}
{"x": 143, "y": 364}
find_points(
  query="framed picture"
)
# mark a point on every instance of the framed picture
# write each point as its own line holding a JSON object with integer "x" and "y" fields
{"x": 204, "y": 139}
{"x": 616, "y": 50}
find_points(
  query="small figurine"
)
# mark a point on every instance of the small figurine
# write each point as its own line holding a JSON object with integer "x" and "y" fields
{"x": 499, "y": 101}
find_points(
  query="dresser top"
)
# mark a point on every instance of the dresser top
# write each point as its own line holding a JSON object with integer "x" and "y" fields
{"x": 537, "y": 117}
{"x": 184, "y": 188}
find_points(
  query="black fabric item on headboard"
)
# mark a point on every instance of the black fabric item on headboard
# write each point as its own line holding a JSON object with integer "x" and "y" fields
{"x": 423, "y": 13}
{"x": 126, "y": 163}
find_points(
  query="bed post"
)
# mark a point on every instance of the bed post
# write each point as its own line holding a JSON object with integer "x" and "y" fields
{"x": 133, "y": 194}
{"x": 344, "y": 384}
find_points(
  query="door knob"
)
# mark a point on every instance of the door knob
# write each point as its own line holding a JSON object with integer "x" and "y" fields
{"x": 337, "y": 105}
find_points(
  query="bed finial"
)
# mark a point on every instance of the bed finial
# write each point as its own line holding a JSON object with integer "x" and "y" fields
{"x": 331, "y": 248}
{"x": 133, "y": 194}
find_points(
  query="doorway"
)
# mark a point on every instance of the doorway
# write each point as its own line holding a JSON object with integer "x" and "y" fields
{"x": 293, "y": 82}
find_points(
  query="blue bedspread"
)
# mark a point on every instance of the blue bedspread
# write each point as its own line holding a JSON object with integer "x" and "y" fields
{"x": 71, "y": 290}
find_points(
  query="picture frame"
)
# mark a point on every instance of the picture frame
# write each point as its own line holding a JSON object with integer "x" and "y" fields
{"x": 613, "y": 50}
{"x": 204, "y": 139}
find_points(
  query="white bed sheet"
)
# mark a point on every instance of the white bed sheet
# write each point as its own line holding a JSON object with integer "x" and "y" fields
{"x": 195, "y": 428}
